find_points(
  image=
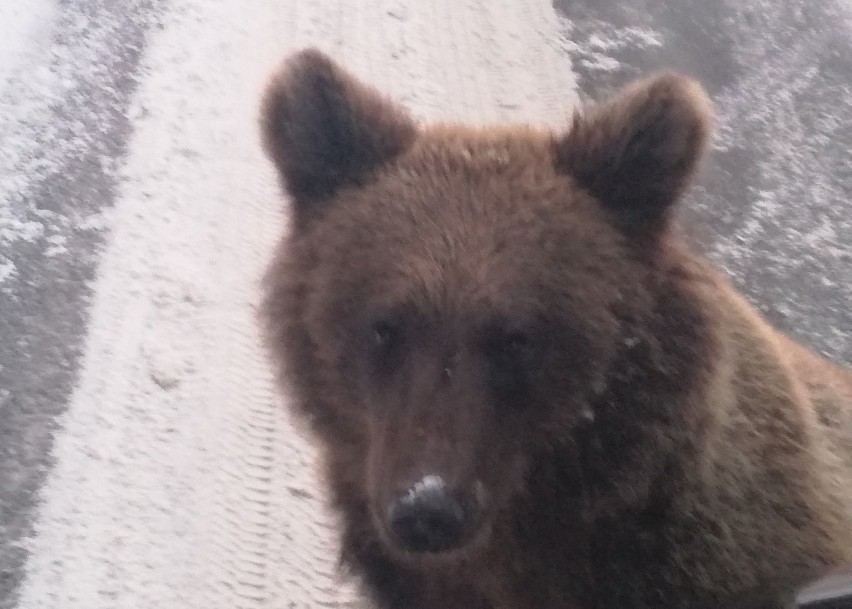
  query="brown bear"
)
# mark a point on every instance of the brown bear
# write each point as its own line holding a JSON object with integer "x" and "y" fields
{"x": 528, "y": 392}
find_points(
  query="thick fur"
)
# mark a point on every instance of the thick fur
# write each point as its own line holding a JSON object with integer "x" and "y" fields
{"x": 513, "y": 309}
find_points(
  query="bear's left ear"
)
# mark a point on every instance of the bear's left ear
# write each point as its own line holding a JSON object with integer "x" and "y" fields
{"x": 636, "y": 153}
{"x": 323, "y": 128}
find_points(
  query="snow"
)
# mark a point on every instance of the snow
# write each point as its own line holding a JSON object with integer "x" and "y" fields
{"x": 51, "y": 59}
{"x": 599, "y": 50}
{"x": 428, "y": 483}
{"x": 25, "y": 26}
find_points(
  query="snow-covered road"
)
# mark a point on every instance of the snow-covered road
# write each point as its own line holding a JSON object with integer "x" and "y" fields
{"x": 145, "y": 460}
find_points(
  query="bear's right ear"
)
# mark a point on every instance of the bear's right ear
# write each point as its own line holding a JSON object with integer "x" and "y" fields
{"x": 636, "y": 153}
{"x": 322, "y": 128}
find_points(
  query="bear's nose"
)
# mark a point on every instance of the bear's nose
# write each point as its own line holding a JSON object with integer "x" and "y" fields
{"x": 431, "y": 517}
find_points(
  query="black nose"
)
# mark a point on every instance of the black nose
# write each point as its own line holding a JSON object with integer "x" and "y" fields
{"x": 431, "y": 518}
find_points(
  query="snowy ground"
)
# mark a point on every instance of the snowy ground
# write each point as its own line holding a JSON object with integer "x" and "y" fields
{"x": 144, "y": 458}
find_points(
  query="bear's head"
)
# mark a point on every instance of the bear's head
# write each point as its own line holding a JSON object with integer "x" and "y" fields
{"x": 470, "y": 316}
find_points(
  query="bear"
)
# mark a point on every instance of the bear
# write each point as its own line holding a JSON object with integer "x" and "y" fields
{"x": 527, "y": 390}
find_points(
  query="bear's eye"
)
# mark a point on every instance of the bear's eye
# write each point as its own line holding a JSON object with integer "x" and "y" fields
{"x": 509, "y": 350}
{"x": 383, "y": 346}
{"x": 516, "y": 343}
{"x": 382, "y": 334}
{"x": 509, "y": 355}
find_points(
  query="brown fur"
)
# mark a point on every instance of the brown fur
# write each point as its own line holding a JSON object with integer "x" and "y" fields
{"x": 513, "y": 309}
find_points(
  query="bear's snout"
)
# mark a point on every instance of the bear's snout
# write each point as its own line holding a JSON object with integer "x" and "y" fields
{"x": 432, "y": 517}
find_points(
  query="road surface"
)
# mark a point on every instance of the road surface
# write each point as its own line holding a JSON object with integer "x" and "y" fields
{"x": 145, "y": 460}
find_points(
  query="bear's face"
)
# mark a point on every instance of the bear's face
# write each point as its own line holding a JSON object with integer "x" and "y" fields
{"x": 465, "y": 300}
{"x": 461, "y": 295}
